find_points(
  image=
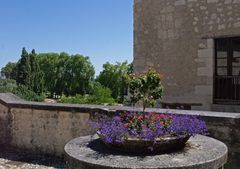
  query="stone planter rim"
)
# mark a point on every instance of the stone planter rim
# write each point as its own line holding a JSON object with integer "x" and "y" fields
{"x": 217, "y": 160}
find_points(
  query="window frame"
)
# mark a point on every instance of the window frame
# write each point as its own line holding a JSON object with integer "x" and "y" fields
{"x": 226, "y": 96}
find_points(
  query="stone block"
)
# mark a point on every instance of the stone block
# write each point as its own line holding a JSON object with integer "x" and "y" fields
{"x": 212, "y": 1}
{"x": 204, "y": 90}
{"x": 179, "y": 2}
{"x": 205, "y": 53}
{"x": 210, "y": 44}
{"x": 236, "y": 1}
{"x": 236, "y": 25}
{"x": 205, "y": 71}
{"x": 227, "y": 1}
{"x": 223, "y": 133}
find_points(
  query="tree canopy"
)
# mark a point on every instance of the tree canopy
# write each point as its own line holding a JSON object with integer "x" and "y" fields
{"x": 52, "y": 73}
{"x": 61, "y": 74}
{"x": 113, "y": 76}
{"x": 9, "y": 71}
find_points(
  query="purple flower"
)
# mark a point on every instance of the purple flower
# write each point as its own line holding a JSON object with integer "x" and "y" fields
{"x": 147, "y": 126}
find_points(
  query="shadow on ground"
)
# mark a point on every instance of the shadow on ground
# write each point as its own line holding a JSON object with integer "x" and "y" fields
{"x": 14, "y": 158}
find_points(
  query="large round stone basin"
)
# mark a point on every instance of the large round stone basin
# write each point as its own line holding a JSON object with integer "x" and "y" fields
{"x": 201, "y": 152}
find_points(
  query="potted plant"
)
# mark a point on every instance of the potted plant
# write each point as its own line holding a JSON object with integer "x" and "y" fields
{"x": 146, "y": 132}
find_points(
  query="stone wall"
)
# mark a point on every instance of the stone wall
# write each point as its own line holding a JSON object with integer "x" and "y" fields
{"x": 176, "y": 38}
{"x": 226, "y": 128}
{"x": 4, "y": 121}
{"x": 40, "y": 128}
{"x": 46, "y": 128}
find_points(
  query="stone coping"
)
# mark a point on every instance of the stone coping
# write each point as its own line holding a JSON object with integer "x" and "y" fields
{"x": 12, "y": 101}
{"x": 200, "y": 152}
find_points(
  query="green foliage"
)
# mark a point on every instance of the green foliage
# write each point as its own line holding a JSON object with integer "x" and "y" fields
{"x": 36, "y": 75}
{"x": 28, "y": 72}
{"x": 49, "y": 64}
{"x": 61, "y": 74}
{"x": 146, "y": 87}
{"x": 53, "y": 73}
{"x": 23, "y": 92}
{"x": 66, "y": 74}
{"x": 100, "y": 95}
{"x": 10, "y": 86}
{"x": 24, "y": 69}
{"x": 7, "y": 85}
{"x": 9, "y": 71}
{"x": 78, "y": 99}
{"x": 113, "y": 77}
{"x": 78, "y": 75}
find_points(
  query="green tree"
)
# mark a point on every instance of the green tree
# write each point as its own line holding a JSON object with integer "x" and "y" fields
{"x": 66, "y": 74}
{"x": 79, "y": 72}
{"x": 29, "y": 73}
{"x": 48, "y": 63}
{"x": 9, "y": 71}
{"x": 24, "y": 69}
{"x": 62, "y": 80}
{"x": 113, "y": 77}
{"x": 52, "y": 73}
{"x": 36, "y": 75}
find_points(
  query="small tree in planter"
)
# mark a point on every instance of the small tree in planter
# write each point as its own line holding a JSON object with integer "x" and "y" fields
{"x": 146, "y": 87}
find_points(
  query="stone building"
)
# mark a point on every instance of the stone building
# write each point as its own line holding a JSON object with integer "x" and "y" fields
{"x": 195, "y": 44}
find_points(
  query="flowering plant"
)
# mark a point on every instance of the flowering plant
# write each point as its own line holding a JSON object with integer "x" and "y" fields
{"x": 145, "y": 87}
{"x": 147, "y": 126}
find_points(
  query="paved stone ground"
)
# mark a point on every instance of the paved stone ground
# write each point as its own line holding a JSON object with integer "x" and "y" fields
{"x": 15, "y": 159}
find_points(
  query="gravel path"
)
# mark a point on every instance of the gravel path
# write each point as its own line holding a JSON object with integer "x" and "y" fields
{"x": 14, "y": 159}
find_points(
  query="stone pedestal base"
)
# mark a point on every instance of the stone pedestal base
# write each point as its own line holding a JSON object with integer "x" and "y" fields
{"x": 200, "y": 152}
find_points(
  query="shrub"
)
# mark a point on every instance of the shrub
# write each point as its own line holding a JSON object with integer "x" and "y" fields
{"x": 99, "y": 95}
{"x": 23, "y": 92}
{"x": 78, "y": 99}
{"x": 10, "y": 86}
{"x": 7, "y": 85}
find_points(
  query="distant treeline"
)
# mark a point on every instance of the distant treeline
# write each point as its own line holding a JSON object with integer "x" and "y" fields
{"x": 61, "y": 74}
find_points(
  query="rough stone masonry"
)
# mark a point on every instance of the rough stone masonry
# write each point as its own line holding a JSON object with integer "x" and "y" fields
{"x": 176, "y": 37}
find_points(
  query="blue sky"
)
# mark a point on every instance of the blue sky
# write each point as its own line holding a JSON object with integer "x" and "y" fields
{"x": 100, "y": 29}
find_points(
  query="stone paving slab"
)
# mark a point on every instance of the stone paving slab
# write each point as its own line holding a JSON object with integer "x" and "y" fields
{"x": 11, "y": 158}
